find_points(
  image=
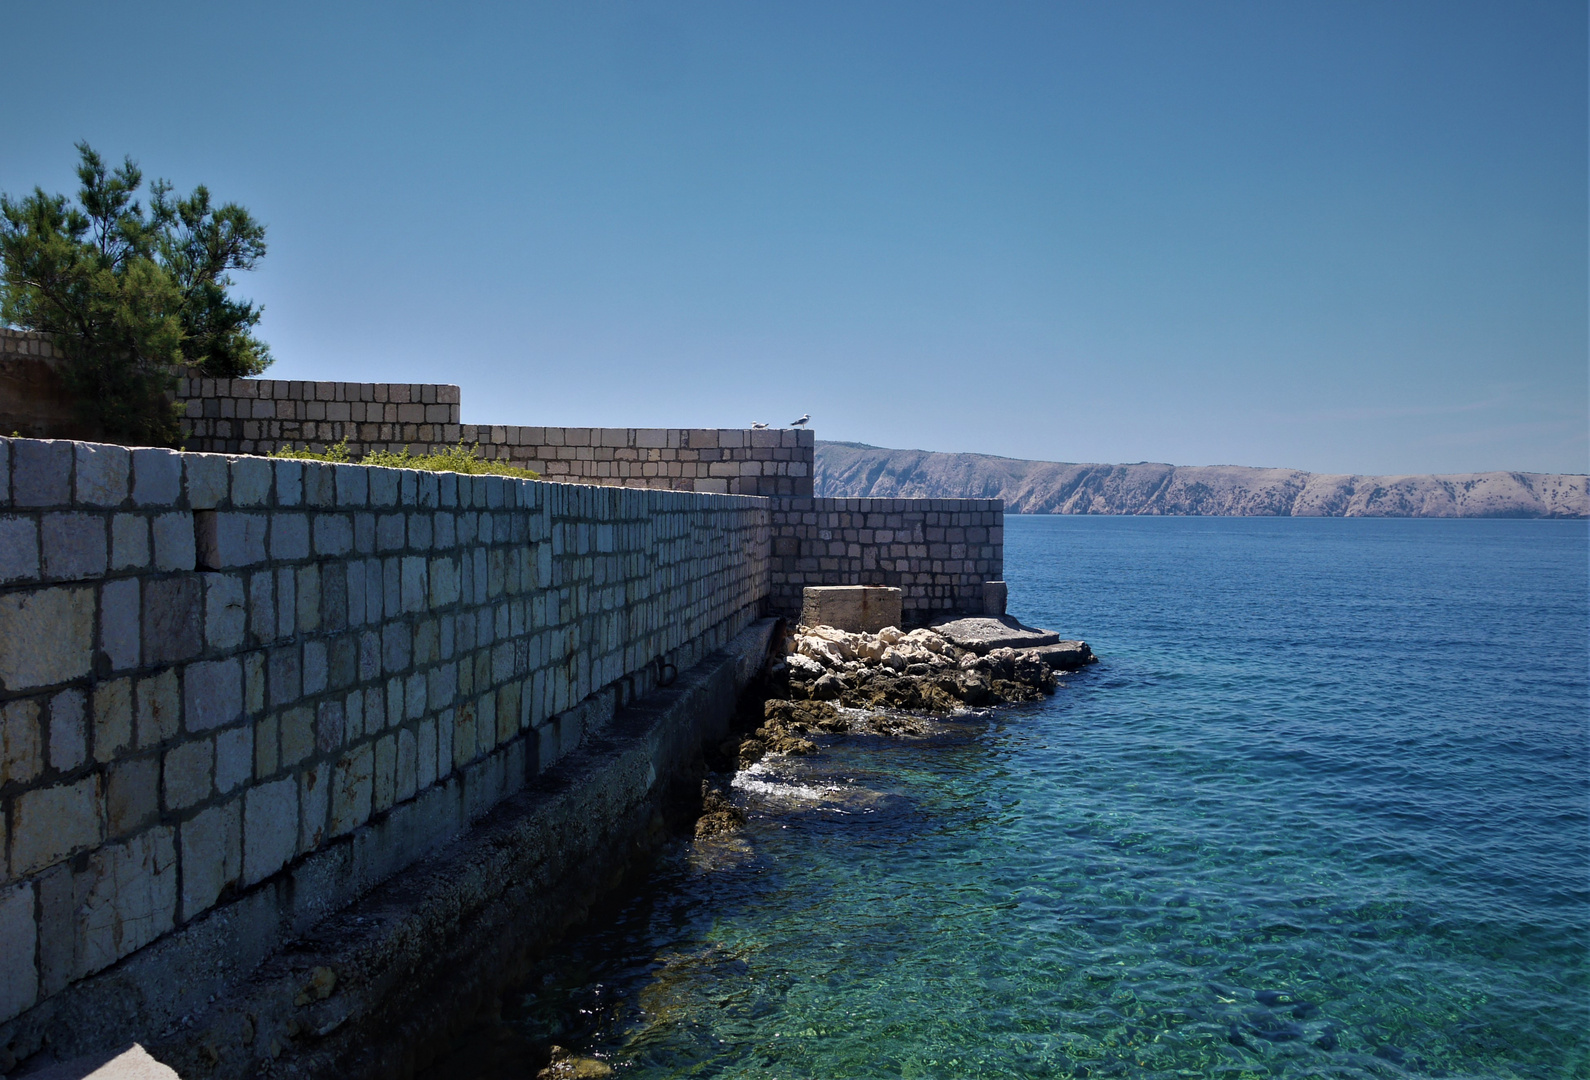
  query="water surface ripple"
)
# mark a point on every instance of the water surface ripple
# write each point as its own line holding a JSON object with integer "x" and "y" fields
{"x": 1320, "y": 812}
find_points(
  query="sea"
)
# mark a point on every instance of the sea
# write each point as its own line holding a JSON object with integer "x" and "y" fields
{"x": 1322, "y": 809}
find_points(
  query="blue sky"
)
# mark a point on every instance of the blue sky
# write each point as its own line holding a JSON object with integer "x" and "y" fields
{"x": 1335, "y": 236}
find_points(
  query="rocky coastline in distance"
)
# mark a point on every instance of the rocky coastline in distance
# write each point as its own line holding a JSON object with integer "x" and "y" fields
{"x": 1050, "y": 487}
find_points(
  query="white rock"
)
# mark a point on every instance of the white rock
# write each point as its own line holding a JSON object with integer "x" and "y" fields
{"x": 890, "y": 635}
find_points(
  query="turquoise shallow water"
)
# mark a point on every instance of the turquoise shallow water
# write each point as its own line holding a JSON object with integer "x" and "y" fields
{"x": 1322, "y": 811}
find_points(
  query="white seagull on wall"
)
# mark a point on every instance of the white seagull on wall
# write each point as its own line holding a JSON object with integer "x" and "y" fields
{"x": 802, "y": 421}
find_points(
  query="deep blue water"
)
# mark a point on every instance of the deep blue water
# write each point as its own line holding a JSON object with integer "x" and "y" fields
{"x": 1323, "y": 810}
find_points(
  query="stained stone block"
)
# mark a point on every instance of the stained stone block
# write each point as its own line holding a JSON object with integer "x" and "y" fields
{"x": 157, "y": 477}
{"x": 853, "y": 608}
{"x": 132, "y": 795}
{"x": 129, "y": 542}
{"x": 212, "y": 855}
{"x": 41, "y": 472}
{"x": 102, "y": 473}
{"x": 46, "y": 636}
{"x": 270, "y": 828}
{"x": 352, "y": 785}
{"x": 112, "y": 719}
{"x": 207, "y": 477}
{"x": 21, "y": 742}
{"x": 189, "y": 773}
{"x": 174, "y": 541}
{"x": 49, "y": 824}
{"x": 129, "y": 898}
{"x": 19, "y": 977}
{"x": 158, "y": 709}
{"x": 173, "y": 618}
{"x": 68, "y": 730}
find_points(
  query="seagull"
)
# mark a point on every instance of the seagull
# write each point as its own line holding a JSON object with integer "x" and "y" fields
{"x": 757, "y": 425}
{"x": 802, "y": 421}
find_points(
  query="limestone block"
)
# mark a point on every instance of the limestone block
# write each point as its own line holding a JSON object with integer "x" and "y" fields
{"x": 853, "y": 608}
{"x": 212, "y": 855}
{"x": 127, "y": 897}
{"x": 207, "y": 478}
{"x": 21, "y": 742}
{"x": 289, "y": 536}
{"x": 174, "y": 541}
{"x": 333, "y": 534}
{"x": 74, "y": 546}
{"x": 384, "y": 791}
{"x": 19, "y": 977}
{"x": 68, "y": 730}
{"x": 173, "y": 619}
{"x": 41, "y": 472}
{"x": 113, "y": 711}
{"x": 251, "y": 481}
{"x": 289, "y": 482}
{"x": 19, "y": 549}
{"x": 189, "y": 773}
{"x": 270, "y": 828}
{"x": 129, "y": 542}
{"x": 296, "y": 738}
{"x": 119, "y": 624}
{"x": 352, "y": 785}
{"x": 314, "y": 798}
{"x": 994, "y": 598}
{"x": 224, "y": 610}
{"x": 234, "y": 757}
{"x": 132, "y": 795}
{"x": 46, "y": 636}
{"x": 102, "y": 473}
{"x": 228, "y": 539}
{"x": 158, "y": 709}
{"x": 50, "y": 824}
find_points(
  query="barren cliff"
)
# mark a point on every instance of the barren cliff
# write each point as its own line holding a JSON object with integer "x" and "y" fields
{"x": 1050, "y": 487}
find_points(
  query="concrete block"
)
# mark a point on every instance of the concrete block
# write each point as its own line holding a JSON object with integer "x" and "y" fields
{"x": 352, "y": 786}
{"x": 41, "y": 472}
{"x": 132, "y": 795}
{"x": 68, "y": 730}
{"x": 251, "y": 481}
{"x": 128, "y": 897}
{"x": 102, "y": 473}
{"x": 853, "y": 608}
{"x": 189, "y": 773}
{"x": 19, "y": 549}
{"x": 129, "y": 542}
{"x": 46, "y": 636}
{"x": 173, "y": 619}
{"x": 158, "y": 709}
{"x": 174, "y": 541}
{"x": 994, "y": 598}
{"x": 270, "y": 828}
{"x": 51, "y": 824}
{"x": 113, "y": 719}
{"x": 207, "y": 477}
{"x": 19, "y": 975}
{"x": 74, "y": 546}
{"x": 227, "y": 539}
{"x": 119, "y": 624}
{"x": 157, "y": 477}
{"x": 212, "y": 855}
{"x": 21, "y": 742}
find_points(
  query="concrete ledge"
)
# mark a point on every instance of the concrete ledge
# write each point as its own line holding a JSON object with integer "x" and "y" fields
{"x": 370, "y": 989}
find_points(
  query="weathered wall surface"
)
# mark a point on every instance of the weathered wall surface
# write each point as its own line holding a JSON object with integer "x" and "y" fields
{"x": 33, "y": 399}
{"x": 219, "y": 675}
{"x": 937, "y": 552}
{"x": 258, "y": 416}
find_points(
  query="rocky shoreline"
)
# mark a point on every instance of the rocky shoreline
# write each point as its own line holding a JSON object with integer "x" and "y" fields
{"x": 820, "y": 679}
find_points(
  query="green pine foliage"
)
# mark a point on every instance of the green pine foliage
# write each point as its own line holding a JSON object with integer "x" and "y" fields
{"x": 459, "y": 459}
{"x": 129, "y": 295}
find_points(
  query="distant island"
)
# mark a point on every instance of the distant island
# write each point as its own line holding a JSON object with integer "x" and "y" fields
{"x": 1051, "y": 487}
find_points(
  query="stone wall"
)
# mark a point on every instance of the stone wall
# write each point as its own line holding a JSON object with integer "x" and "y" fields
{"x": 937, "y": 552}
{"x": 226, "y": 675}
{"x": 33, "y": 399}
{"x": 258, "y": 416}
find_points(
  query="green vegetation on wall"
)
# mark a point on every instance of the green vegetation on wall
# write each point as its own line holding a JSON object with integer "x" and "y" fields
{"x": 459, "y": 459}
{"x": 131, "y": 295}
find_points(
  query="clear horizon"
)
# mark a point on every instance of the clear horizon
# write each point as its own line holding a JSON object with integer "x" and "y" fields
{"x": 1339, "y": 238}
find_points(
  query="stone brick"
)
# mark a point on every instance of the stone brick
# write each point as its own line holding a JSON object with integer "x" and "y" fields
{"x": 265, "y": 746}
{"x": 289, "y": 483}
{"x": 270, "y": 828}
{"x": 19, "y": 977}
{"x": 113, "y": 724}
{"x": 49, "y": 824}
{"x": 297, "y": 735}
{"x": 128, "y": 897}
{"x": 227, "y": 539}
{"x": 352, "y": 783}
{"x": 251, "y": 481}
{"x": 174, "y": 541}
{"x": 234, "y": 757}
{"x": 41, "y": 472}
{"x": 68, "y": 730}
{"x": 212, "y": 855}
{"x": 207, "y": 477}
{"x": 407, "y": 765}
{"x": 213, "y": 693}
{"x": 158, "y": 709}
{"x": 129, "y": 542}
{"x": 157, "y": 477}
{"x": 189, "y": 773}
{"x": 224, "y": 611}
{"x": 314, "y": 798}
{"x": 102, "y": 474}
{"x": 46, "y": 636}
{"x": 21, "y": 742}
{"x": 132, "y": 795}
{"x": 333, "y": 534}
{"x": 19, "y": 549}
{"x": 119, "y": 619}
{"x": 289, "y": 536}
{"x": 173, "y": 619}
{"x": 74, "y": 546}
{"x": 385, "y": 777}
